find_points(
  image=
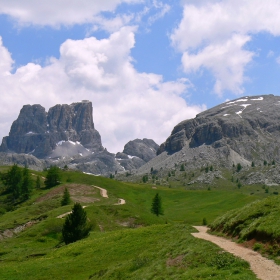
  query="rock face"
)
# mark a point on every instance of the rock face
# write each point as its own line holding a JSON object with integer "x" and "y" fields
{"x": 240, "y": 131}
{"x": 62, "y": 131}
{"x": 136, "y": 153}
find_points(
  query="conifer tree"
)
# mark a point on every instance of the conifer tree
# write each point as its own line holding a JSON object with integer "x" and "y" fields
{"x": 66, "y": 198}
{"x": 26, "y": 187}
{"x": 157, "y": 205}
{"x": 38, "y": 183}
{"x": 53, "y": 177}
{"x": 75, "y": 226}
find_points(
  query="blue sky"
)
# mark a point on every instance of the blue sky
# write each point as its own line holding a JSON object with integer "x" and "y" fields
{"x": 145, "y": 65}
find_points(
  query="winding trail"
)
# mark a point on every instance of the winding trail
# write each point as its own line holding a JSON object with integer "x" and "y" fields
{"x": 103, "y": 193}
{"x": 264, "y": 269}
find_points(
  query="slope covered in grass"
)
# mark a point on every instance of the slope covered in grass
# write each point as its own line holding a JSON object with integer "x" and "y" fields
{"x": 257, "y": 221}
{"x": 155, "y": 252}
{"x": 127, "y": 242}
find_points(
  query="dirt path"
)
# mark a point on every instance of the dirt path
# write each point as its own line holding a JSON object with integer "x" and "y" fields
{"x": 120, "y": 202}
{"x": 65, "y": 214}
{"x": 103, "y": 192}
{"x": 264, "y": 269}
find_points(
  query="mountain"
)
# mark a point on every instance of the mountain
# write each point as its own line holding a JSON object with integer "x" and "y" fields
{"x": 65, "y": 130}
{"x": 239, "y": 131}
{"x": 65, "y": 135}
{"x": 136, "y": 153}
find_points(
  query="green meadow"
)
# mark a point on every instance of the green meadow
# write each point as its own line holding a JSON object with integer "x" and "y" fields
{"x": 127, "y": 241}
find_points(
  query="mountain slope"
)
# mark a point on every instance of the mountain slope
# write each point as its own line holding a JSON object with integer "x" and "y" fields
{"x": 239, "y": 131}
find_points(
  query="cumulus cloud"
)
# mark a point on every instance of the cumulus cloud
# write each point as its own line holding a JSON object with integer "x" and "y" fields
{"x": 57, "y": 12}
{"x": 221, "y": 29}
{"x": 126, "y": 104}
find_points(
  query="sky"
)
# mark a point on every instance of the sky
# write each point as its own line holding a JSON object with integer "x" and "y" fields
{"x": 144, "y": 65}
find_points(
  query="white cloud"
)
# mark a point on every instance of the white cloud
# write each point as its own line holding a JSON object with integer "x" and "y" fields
{"x": 278, "y": 59}
{"x": 126, "y": 104}
{"x": 57, "y": 12}
{"x": 227, "y": 61}
{"x": 215, "y": 24}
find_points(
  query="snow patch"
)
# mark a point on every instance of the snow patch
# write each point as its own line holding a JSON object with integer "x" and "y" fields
{"x": 226, "y": 115}
{"x": 81, "y": 154}
{"x": 130, "y": 156}
{"x": 255, "y": 99}
{"x": 60, "y": 143}
{"x": 30, "y": 132}
{"x": 239, "y": 100}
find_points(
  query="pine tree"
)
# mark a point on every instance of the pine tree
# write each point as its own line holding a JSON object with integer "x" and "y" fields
{"x": 13, "y": 180}
{"x": 75, "y": 226}
{"x": 157, "y": 205}
{"x": 26, "y": 187}
{"x": 38, "y": 183}
{"x": 66, "y": 200}
{"x": 52, "y": 177}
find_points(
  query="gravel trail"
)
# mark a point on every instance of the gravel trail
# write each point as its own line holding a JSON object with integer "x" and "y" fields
{"x": 263, "y": 268}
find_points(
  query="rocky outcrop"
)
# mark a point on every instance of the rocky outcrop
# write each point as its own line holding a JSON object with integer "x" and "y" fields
{"x": 249, "y": 126}
{"x": 54, "y": 133}
{"x": 239, "y": 131}
{"x": 136, "y": 153}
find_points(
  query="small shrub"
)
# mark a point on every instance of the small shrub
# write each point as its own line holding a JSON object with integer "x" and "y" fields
{"x": 204, "y": 222}
{"x": 257, "y": 246}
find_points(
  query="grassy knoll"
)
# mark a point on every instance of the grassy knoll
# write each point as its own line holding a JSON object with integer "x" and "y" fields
{"x": 258, "y": 221}
{"x": 155, "y": 252}
{"x": 128, "y": 241}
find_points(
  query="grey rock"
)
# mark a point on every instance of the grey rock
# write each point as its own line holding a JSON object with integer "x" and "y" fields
{"x": 145, "y": 149}
{"x": 38, "y": 132}
{"x": 136, "y": 153}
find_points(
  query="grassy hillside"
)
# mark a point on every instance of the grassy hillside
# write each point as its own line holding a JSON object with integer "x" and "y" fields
{"x": 128, "y": 241}
{"x": 258, "y": 222}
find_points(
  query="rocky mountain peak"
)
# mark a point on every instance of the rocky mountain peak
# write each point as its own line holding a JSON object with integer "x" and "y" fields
{"x": 53, "y": 133}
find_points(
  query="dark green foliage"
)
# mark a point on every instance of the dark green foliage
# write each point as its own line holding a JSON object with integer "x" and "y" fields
{"x": 182, "y": 168}
{"x": 157, "y": 205}
{"x": 253, "y": 164}
{"x": 204, "y": 222}
{"x": 169, "y": 174}
{"x": 273, "y": 162}
{"x": 75, "y": 226}
{"x": 53, "y": 177}
{"x": 264, "y": 162}
{"x": 38, "y": 183}
{"x": 206, "y": 169}
{"x": 152, "y": 169}
{"x": 238, "y": 167}
{"x": 211, "y": 168}
{"x": 18, "y": 183}
{"x": 112, "y": 176}
{"x": 26, "y": 187}
{"x": 145, "y": 178}
{"x": 12, "y": 180}
{"x": 66, "y": 200}
{"x": 239, "y": 185}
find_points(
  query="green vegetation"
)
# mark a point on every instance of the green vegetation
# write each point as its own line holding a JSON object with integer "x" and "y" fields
{"x": 114, "y": 248}
{"x": 66, "y": 200}
{"x": 75, "y": 226}
{"x": 257, "y": 221}
{"x": 157, "y": 205}
{"x": 52, "y": 177}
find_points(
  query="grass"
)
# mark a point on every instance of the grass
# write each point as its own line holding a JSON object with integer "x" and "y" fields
{"x": 121, "y": 255}
{"x": 128, "y": 241}
{"x": 258, "y": 221}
